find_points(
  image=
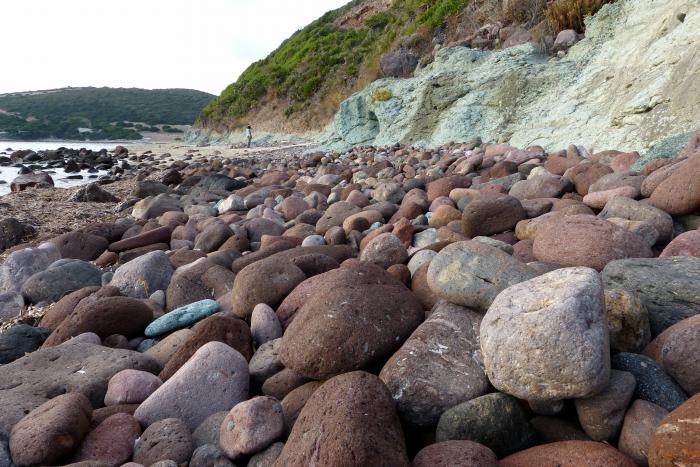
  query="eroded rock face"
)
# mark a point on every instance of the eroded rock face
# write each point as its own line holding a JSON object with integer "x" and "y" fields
{"x": 563, "y": 309}
{"x": 453, "y": 111}
{"x": 351, "y": 416}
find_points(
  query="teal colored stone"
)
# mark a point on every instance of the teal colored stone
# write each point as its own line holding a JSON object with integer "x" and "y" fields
{"x": 181, "y": 317}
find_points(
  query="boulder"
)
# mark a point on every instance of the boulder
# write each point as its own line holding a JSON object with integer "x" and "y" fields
{"x": 350, "y": 420}
{"x": 142, "y": 276}
{"x": 345, "y": 325}
{"x": 639, "y": 425}
{"x": 494, "y": 420}
{"x": 563, "y": 309}
{"x": 398, "y": 64}
{"x": 182, "y": 317}
{"x": 666, "y": 286}
{"x": 676, "y": 440}
{"x": 582, "y": 240}
{"x": 214, "y": 379}
{"x": 167, "y": 439}
{"x": 491, "y": 214}
{"x": 52, "y": 431}
{"x": 111, "y": 442}
{"x": 439, "y": 366}
{"x": 20, "y": 339}
{"x": 568, "y": 454}
{"x": 61, "y": 277}
{"x": 601, "y": 415}
{"x": 456, "y": 453}
{"x": 69, "y": 367}
{"x": 472, "y": 273}
{"x": 679, "y": 193}
{"x": 251, "y": 426}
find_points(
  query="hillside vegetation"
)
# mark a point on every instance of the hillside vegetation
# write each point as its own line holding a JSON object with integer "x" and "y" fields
{"x": 322, "y": 64}
{"x": 107, "y": 112}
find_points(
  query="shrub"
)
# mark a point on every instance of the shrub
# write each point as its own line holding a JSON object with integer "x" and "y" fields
{"x": 381, "y": 94}
{"x": 379, "y": 21}
{"x": 569, "y": 14}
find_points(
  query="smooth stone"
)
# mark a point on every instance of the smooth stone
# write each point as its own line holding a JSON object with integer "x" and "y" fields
{"x": 142, "y": 276}
{"x": 264, "y": 324}
{"x": 267, "y": 457}
{"x": 494, "y": 420}
{"x": 385, "y": 250}
{"x": 112, "y": 441}
{"x": 19, "y": 340}
{"x": 627, "y": 208}
{"x": 680, "y": 357}
{"x": 628, "y": 321}
{"x": 641, "y": 421}
{"x": 601, "y": 415}
{"x": 214, "y": 379}
{"x": 472, "y": 274}
{"x": 22, "y": 264}
{"x": 60, "y": 278}
{"x": 182, "y": 317}
{"x": 675, "y": 442}
{"x": 569, "y": 454}
{"x": 251, "y": 426}
{"x": 209, "y": 455}
{"x": 51, "y": 431}
{"x": 163, "y": 350}
{"x": 167, "y": 439}
{"x": 653, "y": 383}
{"x": 456, "y": 453}
{"x": 131, "y": 387}
{"x": 208, "y": 431}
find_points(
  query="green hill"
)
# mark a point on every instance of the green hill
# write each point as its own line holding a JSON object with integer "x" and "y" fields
{"x": 299, "y": 86}
{"x": 100, "y": 113}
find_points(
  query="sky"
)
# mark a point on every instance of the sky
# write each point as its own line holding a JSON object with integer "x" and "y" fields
{"x": 197, "y": 44}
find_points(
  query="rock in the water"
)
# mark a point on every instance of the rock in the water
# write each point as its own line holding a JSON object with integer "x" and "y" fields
{"x": 167, "y": 439}
{"x": 472, "y": 273}
{"x": 251, "y": 426}
{"x": 439, "y": 366}
{"x": 667, "y": 286}
{"x": 350, "y": 420}
{"x": 653, "y": 383}
{"x": 52, "y": 431}
{"x": 142, "y": 276}
{"x": 31, "y": 179}
{"x": 601, "y": 415}
{"x": 182, "y": 317}
{"x": 676, "y": 440}
{"x": 560, "y": 310}
{"x": 214, "y": 379}
{"x": 494, "y": 420}
{"x": 69, "y": 367}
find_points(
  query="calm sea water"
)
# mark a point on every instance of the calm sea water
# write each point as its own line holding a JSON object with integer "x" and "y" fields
{"x": 7, "y": 174}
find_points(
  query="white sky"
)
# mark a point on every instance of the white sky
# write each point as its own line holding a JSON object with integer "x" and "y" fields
{"x": 198, "y": 44}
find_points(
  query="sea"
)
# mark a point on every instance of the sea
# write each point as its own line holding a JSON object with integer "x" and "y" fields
{"x": 7, "y": 174}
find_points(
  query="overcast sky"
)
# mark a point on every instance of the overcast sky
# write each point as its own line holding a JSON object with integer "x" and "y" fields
{"x": 199, "y": 44}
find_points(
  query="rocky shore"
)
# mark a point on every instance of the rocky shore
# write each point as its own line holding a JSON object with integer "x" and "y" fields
{"x": 471, "y": 305}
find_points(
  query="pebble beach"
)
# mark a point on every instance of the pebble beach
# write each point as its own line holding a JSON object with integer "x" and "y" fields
{"x": 475, "y": 304}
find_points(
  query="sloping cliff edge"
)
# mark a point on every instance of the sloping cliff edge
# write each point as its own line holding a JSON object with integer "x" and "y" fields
{"x": 632, "y": 84}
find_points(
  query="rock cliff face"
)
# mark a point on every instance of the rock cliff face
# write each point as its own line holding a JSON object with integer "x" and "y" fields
{"x": 632, "y": 84}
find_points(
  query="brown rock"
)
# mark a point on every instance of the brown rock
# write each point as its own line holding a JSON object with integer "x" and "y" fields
{"x": 112, "y": 442}
{"x": 267, "y": 281}
{"x": 282, "y": 383}
{"x": 350, "y": 420}
{"x": 443, "y": 186}
{"x": 457, "y": 453}
{"x": 80, "y": 245}
{"x": 675, "y": 442}
{"x": 64, "y": 307}
{"x": 52, "y": 431}
{"x": 159, "y": 235}
{"x": 582, "y": 240}
{"x": 296, "y": 400}
{"x": 231, "y": 331}
{"x": 569, "y": 454}
{"x": 601, "y": 415}
{"x": 686, "y": 244}
{"x": 585, "y": 174}
{"x": 251, "y": 426}
{"x": 641, "y": 421}
{"x": 166, "y": 348}
{"x": 167, "y": 439}
{"x": 491, "y": 214}
{"x": 680, "y": 193}
{"x": 104, "y": 317}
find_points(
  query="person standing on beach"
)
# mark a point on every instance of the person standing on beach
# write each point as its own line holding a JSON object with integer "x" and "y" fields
{"x": 249, "y": 134}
